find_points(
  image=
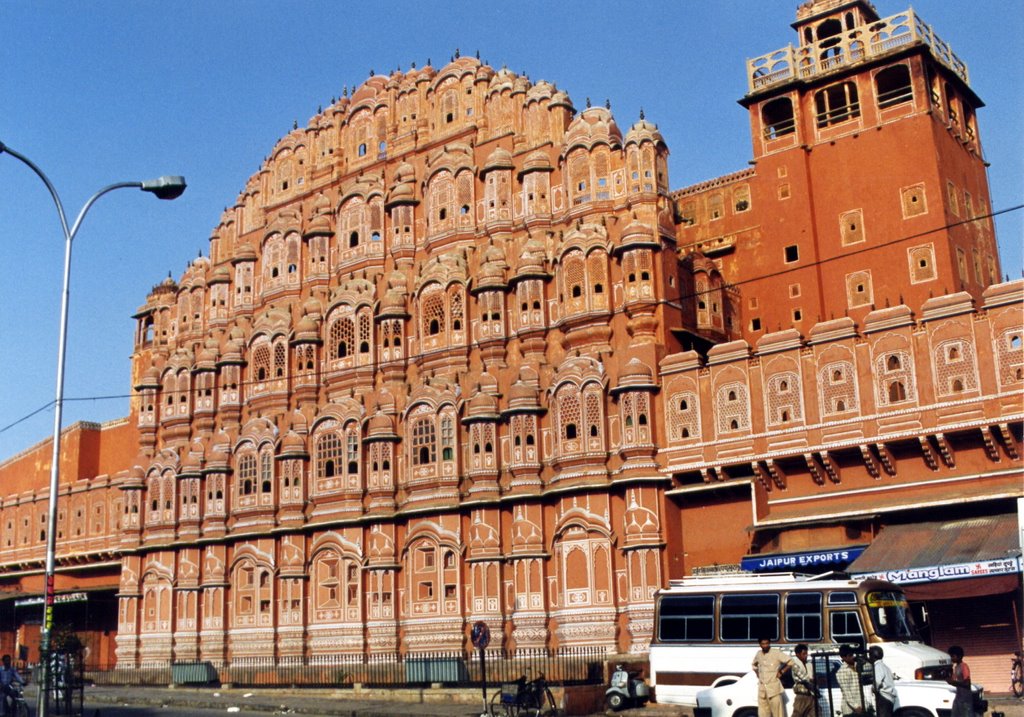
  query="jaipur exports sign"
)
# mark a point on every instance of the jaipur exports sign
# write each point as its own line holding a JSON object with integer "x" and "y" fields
{"x": 797, "y": 561}
{"x": 958, "y": 571}
{"x": 57, "y": 599}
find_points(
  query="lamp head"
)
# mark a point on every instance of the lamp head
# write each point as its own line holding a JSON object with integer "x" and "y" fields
{"x": 165, "y": 187}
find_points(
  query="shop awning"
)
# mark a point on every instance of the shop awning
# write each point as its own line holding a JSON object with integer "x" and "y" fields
{"x": 926, "y": 557}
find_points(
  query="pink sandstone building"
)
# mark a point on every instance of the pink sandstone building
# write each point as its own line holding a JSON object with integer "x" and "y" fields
{"x": 460, "y": 353}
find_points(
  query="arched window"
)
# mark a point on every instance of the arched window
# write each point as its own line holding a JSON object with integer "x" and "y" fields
{"x": 893, "y": 86}
{"x": 777, "y": 118}
{"x": 424, "y": 441}
{"x": 836, "y": 103}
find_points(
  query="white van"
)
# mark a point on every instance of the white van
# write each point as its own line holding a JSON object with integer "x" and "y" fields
{"x": 914, "y": 698}
{"x": 706, "y": 628}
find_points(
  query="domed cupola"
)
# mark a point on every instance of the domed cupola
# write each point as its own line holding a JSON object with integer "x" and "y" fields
{"x": 392, "y": 306}
{"x": 208, "y": 355}
{"x": 637, "y": 235}
{"x": 150, "y": 379}
{"x": 523, "y": 398}
{"x": 293, "y": 446}
{"x": 243, "y": 253}
{"x": 532, "y": 261}
{"x": 307, "y": 331}
{"x": 500, "y": 158}
{"x": 403, "y": 188}
{"x": 635, "y": 376}
{"x": 482, "y": 406}
{"x": 491, "y": 275}
{"x": 381, "y": 427}
{"x": 644, "y": 131}
{"x": 595, "y": 125}
{"x": 321, "y": 223}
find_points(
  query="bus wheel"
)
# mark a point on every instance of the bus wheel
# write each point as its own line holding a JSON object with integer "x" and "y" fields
{"x": 746, "y": 712}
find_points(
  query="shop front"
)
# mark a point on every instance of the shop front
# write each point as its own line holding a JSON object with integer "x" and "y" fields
{"x": 966, "y": 577}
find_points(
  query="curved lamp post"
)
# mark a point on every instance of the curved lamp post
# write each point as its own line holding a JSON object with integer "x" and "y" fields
{"x": 166, "y": 187}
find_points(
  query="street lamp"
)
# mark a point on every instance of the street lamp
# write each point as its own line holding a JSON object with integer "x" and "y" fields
{"x": 166, "y": 187}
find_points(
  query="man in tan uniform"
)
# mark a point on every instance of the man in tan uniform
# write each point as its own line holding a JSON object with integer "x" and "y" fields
{"x": 769, "y": 664}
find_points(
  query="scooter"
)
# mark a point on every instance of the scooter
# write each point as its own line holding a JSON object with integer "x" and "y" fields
{"x": 627, "y": 689}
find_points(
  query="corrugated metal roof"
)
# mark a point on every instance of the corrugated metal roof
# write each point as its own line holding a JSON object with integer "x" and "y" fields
{"x": 918, "y": 545}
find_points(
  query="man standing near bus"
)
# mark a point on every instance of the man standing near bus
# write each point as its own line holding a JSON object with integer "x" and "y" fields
{"x": 885, "y": 684}
{"x": 803, "y": 684}
{"x": 848, "y": 678}
{"x": 769, "y": 664}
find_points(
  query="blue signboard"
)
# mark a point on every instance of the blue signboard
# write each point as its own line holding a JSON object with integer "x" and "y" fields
{"x": 783, "y": 562}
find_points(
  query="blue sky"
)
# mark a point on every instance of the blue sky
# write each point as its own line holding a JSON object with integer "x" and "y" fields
{"x": 98, "y": 92}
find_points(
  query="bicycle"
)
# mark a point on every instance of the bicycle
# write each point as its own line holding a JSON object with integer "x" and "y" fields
{"x": 1017, "y": 675}
{"x": 15, "y": 704}
{"x": 524, "y": 698}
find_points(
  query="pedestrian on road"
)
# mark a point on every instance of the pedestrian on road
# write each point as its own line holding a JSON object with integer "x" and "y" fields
{"x": 8, "y": 677}
{"x": 804, "y": 686}
{"x": 963, "y": 703}
{"x": 848, "y": 678}
{"x": 885, "y": 683}
{"x": 769, "y": 664}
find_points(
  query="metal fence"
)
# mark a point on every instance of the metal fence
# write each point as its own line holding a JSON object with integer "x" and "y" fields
{"x": 571, "y": 666}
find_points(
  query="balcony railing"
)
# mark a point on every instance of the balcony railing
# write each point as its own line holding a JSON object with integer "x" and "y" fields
{"x": 848, "y": 48}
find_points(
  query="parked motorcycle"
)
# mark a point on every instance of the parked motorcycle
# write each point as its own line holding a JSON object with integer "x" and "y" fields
{"x": 627, "y": 689}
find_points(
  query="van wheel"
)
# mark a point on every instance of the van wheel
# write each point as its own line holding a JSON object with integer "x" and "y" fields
{"x": 745, "y": 712}
{"x": 914, "y": 712}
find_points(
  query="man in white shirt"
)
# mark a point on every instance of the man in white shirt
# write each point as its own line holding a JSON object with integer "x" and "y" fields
{"x": 769, "y": 663}
{"x": 885, "y": 683}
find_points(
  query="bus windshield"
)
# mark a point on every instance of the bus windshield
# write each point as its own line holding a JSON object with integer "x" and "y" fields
{"x": 890, "y": 615}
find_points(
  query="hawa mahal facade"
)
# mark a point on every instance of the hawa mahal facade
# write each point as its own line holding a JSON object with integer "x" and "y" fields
{"x": 460, "y": 353}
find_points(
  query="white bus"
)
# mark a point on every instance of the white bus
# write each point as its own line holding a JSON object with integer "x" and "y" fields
{"x": 708, "y": 627}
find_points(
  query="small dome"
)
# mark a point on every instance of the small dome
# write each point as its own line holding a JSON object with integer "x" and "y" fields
{"x": 193, "y": 461}
{"x": 245, "y": 252}
{"x": 221, "y": 275}
{"x": 380, "y": 425}
{"x": 320, "y": 223}
{"x": 594, "y": 125}
{"x": 537, "y": 161}
{"x": 150, "y": 379}
{"x": 636, "y": 232}
{"x": 522, "y": 396}
{"x": 502, "y": 80}
{"x": 482, "y": 404}
{"x": 635, "y": 375}
{"x": 293, "y": 444}
{"x": 207, "y": 359}
{"x": 521, "y": 85}
{"x": 307, "y": 330}
{"x": 218, "y": 459}
{"x": 561, "y": 99}
{"x": 531, "y": 262}
{"x": 644, "y": 131}
{"x": 543, "y": 90}
{"x": 500, "y": 158}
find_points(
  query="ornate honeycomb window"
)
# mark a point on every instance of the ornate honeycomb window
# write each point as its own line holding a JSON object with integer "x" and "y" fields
{"x": 684, "y": 417}
{"x": 955, "y": 368}
{"x": 838, "y": 386}
{"x": 1010, "y": 357}
{"x": 732, "y": 408}
{"x": 894, "y": 378}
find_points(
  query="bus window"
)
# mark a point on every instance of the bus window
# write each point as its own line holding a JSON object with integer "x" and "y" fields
{"x": 842, "y": 598}
{"x": 890, "y": 616}
{"x": 803, "y": 617}
{"x": 750, "y": 617}
{"x": 845, "y": 626}
{"x": 686, "y": 618}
